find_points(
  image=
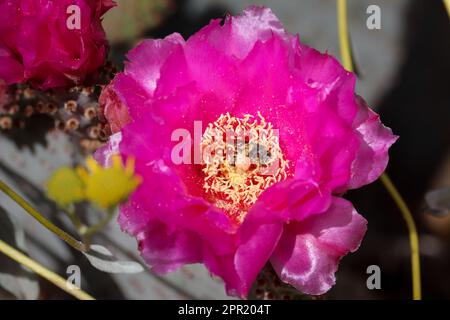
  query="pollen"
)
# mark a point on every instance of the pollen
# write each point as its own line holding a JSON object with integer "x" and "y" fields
{"x": 241, "y": 158}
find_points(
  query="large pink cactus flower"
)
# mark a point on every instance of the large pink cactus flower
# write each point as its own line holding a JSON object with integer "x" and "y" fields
{"x": 42, "y": 42}
{"x": 248, "y": 72}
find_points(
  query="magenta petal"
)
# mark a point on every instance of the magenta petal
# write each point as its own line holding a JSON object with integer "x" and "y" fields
{"x": 308, "y": 253}
{"x": 256, "y": 244}
{"x": 11, "y": 71}
{"x": 166, "y": 251}
{"x": 239, "y": 33}
{"x": 372, "y": 157}
{"x": 239, "y": 270}
{"x": 292, "y": 199}
{"x": 211, "y": 69}
{"x": 103, "y": 155}
{"x": 332, "y": 83}
{"x": 146, "y": 60}
{"x": 131, "y": 94}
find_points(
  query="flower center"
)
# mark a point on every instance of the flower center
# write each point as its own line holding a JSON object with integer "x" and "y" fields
{"x": 241, "y": 158}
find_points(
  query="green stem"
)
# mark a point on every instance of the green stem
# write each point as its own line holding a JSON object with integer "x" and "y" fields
{"x": 42, "y": 271}
{"x": 413, "y": 235}
{"x": 41, "y": 219}
{"x": 88, "y": 232}
{"x": 74, "y": 218}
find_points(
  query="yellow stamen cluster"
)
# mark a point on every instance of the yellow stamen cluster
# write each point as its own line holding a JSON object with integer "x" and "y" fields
{"x": 241, "y": 158}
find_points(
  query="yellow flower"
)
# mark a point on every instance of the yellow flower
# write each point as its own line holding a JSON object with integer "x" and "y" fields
{"x": 65, "y": 187}
{"x": 109, "y": 186}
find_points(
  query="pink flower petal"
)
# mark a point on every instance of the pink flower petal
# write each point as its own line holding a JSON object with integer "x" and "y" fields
{"x": 11, "y": 70}
{"x": 146, "y": 59}
{"x": 372, "y": 157}
{"x": 308, "y": 253}
{"x": 292, "y": 199}
{"x": 48, "y": 52}
{"x": 239, "y": 269}
{"x": 233, "y": 37}
{"x": 167, "y": 250}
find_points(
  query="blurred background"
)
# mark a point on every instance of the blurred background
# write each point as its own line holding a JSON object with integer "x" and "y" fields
{"x": 403, "y": 71}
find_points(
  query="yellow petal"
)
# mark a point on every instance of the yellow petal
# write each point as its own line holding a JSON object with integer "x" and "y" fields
{"x": 92, "y": 164}
{"x": 65, "y": 187}
{"x": 116, "y": 161}
{"x": 109, "y": 186}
